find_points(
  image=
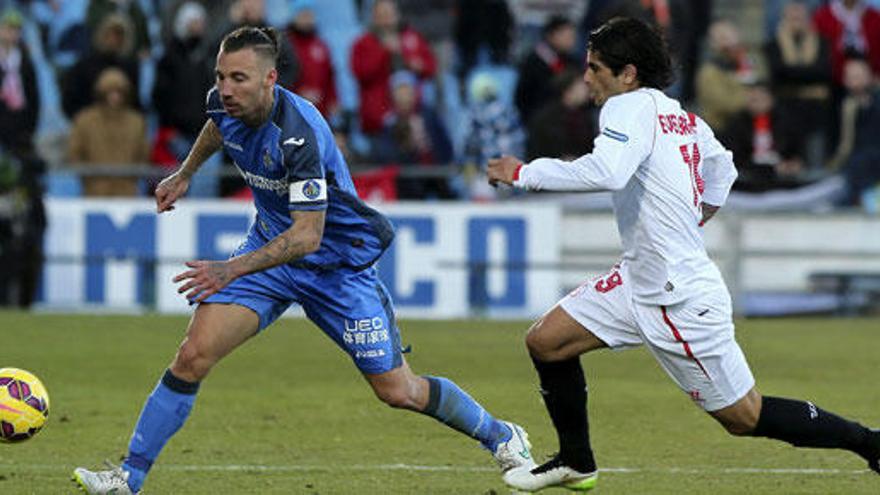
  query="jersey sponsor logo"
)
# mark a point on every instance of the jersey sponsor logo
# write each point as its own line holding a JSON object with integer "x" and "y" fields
{"x": 617, "y": 136}
{"x": 234, "y": 146}
{"x": 373, "y": 353}
{"x": 308, "y": 191}
{"x": 278, "y": 186}
{"x": 295, "y": 141}
{"x": 365, "y": 331}
{"x": 364, "y": 324}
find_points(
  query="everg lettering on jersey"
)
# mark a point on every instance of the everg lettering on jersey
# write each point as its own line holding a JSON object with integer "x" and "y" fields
{"x": 681, "y": 124}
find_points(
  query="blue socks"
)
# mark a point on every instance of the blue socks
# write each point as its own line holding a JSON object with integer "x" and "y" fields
{"x": 170, "y": 403}
{"x": 163, "y": 414}
{"x": 452, "y": 406}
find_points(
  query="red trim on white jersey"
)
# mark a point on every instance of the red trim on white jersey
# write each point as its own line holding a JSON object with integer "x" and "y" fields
{"x": 679, "y": 339}
{"x": 516, "y": 172}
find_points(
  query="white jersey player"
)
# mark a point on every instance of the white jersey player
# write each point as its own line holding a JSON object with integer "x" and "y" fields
{"x": 668, "y": 175}
{"x": 653, "y": 155}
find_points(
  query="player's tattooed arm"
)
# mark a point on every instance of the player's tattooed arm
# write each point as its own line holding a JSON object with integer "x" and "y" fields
{"x": 303, "y": 238}
{"x": 205, "y": 278}
{"x": 209, "y": 142}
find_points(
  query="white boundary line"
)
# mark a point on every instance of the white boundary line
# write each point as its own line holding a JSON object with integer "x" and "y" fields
{"x": 440, "y": 468}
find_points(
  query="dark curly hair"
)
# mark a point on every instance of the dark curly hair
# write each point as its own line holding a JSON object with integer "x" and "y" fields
{"x": 263, "y": 40}
{"x": 623, "y": 41}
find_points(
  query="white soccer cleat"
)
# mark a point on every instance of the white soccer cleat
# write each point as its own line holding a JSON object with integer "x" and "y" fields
{"x": 113, "y": 481}
{"x": 514, "y": 452}
{"x": 552, "y": 473}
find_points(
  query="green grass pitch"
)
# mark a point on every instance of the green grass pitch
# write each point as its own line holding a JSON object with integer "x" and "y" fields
{"x": 288, "y": 414}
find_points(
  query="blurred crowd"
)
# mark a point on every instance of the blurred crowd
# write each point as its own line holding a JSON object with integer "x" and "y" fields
{"x": 421, "y": 93}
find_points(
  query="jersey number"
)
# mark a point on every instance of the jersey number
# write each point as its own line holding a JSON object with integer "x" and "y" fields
{"x": 609, "y": 283}
{"x": 692, "y": 160}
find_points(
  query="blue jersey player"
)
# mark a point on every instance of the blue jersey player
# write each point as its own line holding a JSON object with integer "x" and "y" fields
{"x": 313, "y": 243}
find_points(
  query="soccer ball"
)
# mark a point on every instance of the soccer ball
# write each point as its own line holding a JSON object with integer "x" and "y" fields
{"x": 24, "y": 405}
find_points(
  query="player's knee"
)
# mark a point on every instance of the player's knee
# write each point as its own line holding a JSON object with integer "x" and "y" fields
{"x": 190, "y": 363}
{"x": 540, "y": 347}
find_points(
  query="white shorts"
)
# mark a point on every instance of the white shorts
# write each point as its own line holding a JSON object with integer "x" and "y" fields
{"x": 693, "y": 340}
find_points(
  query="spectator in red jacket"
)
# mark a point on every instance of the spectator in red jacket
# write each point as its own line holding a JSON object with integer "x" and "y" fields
{"x": 316, "y": 81}
{"x": 850, "y": 26}
{"x": 387, "y": 47}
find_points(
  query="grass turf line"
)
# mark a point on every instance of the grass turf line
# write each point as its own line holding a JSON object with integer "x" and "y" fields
{"x": 290, "y": 398}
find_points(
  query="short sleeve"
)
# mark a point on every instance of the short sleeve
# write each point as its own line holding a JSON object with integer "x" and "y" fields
{"x": 214, "y": 107}
{"x": 305, "y": 169}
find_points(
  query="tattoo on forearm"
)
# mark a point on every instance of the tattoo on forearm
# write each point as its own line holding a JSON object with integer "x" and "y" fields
{"x": 222, "y": 272}
{"x": 209, "y": 141}
{"x": 282, "y": 249}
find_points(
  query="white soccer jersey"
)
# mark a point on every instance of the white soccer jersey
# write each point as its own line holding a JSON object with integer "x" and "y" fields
{"x": 661, "y": 163}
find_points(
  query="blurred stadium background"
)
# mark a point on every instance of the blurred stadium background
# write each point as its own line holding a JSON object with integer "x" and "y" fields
{"x": 102, "y": 98}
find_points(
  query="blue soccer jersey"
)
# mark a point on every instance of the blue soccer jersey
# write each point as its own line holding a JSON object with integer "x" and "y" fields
{"x": 292, "y": 163}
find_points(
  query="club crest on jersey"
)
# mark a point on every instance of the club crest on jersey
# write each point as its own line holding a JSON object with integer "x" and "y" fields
{"x": 308, "y": 191}
{"x": 617, "y": 136}
{"x": 267, "y": 159}
{"x": 312, "y": 190}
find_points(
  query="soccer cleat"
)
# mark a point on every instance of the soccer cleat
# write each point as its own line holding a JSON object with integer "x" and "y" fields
{"x": 514, "y": 452}
{"x": 113, "y": 481}
{"x": 552, "y": 473}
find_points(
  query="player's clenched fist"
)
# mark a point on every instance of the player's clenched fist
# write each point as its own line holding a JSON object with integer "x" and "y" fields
{"x": 503, "y": 170}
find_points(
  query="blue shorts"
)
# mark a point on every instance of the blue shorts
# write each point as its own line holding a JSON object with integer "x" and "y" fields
{"x": 352, "y": 307}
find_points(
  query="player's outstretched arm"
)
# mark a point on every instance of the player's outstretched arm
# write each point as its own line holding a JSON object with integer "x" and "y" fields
{"x": 624, "y": 143}
{"x": 175, "y": 185}
{"x": 207, "y": 277}
{"x": 303, "y": 238}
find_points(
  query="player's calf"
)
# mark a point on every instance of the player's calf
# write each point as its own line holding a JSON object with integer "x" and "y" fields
{"x": 802, "y": 424}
